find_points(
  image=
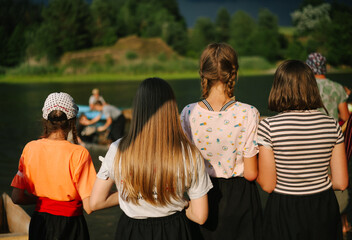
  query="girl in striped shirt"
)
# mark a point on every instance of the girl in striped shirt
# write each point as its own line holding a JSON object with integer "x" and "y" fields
{"x": 296, "y": 147}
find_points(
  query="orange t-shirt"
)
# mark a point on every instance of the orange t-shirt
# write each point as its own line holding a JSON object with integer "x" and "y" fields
{"x": 54, "y": 169}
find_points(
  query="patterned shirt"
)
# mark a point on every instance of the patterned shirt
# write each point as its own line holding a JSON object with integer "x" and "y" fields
{"x": 302, "y": 142}
{"x": 332, "y": 94}
{"x": 224, "y": 138}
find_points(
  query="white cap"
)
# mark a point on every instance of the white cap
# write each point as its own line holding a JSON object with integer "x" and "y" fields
{"x": 60, "y": 101}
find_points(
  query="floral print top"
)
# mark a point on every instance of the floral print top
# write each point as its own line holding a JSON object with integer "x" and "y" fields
{"x": 224, "y": 138}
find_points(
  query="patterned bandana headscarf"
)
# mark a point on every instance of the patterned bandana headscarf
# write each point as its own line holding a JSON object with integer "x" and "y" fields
{"x": 317, "y": 63}
{"x": 60, "y": 101}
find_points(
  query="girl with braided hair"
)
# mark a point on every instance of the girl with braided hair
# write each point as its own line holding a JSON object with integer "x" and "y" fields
{"x": 225, "y": 132}
{"x": 56, "y": 175}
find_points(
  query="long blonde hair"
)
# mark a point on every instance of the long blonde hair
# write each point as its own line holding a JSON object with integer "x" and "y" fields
{"x": 218, "y": 62}
{"x": 155, "y": 159}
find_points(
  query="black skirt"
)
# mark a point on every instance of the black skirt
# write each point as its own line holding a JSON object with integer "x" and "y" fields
{"x": 307, "y": 217}
{"x": 174, "y": 227}
{"x": 235, "y": 211}
{"x": 47, "y": 227}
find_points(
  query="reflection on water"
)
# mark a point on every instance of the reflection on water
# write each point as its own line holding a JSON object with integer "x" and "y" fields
{"x": 20, "y": 121}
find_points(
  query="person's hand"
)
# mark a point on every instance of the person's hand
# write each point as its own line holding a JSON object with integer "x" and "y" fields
{"x": 101, "y": 129}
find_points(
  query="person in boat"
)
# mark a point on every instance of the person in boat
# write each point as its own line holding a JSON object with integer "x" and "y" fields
{"x": 225, "y": 132}
{"x": 115, "y": 120}
{"x": 95, "y": 97}
{"x": 159, "y": 174}
{"x": 296, "y": 147}
{"x": 56, "y": 175}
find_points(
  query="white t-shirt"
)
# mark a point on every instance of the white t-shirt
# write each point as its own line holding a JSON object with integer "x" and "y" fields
{"x": 93, "y": 100}
{"x": 224, "y": 138}
{"x": 145, "y": 210}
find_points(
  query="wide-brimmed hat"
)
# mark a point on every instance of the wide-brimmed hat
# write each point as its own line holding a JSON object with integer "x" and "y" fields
{"x": 317, "y": 63}
{"x": 60, "y": 101}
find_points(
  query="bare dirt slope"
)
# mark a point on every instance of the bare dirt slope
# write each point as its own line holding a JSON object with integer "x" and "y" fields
{"x": 142, "y": 47}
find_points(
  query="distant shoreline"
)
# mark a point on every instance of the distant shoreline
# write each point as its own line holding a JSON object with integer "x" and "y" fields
{"x": 117, "y": 77}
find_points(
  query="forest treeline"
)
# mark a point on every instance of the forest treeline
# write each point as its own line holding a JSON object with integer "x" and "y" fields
{"x": 29, "y": 30}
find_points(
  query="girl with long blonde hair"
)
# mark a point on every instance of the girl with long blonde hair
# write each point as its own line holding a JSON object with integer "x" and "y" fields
{"x": 157, "y": 171}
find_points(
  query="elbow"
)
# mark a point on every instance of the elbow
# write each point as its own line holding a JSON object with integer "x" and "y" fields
{"x": 15, "y": 200}
{"x": 250, "y": 175}
{"x": 201, "y": 218}
{"x": 92, "y": 207}
{"x": 268, "y": 189}
{"x": 342, "y": 186}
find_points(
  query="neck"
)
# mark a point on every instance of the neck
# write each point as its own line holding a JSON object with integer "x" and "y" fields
{"x": 58, "y": 135}
{"x": 217, "y": 96}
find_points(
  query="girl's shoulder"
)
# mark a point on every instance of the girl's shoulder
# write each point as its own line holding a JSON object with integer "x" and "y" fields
{"x": 243, "y": 107}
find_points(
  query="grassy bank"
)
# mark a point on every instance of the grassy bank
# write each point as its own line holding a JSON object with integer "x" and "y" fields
{"x": 169, "y": 69}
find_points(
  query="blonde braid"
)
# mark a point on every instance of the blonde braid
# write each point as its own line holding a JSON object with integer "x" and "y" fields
{"x": 205, "y": 87}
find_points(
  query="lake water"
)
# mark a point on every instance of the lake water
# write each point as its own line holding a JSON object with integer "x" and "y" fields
{"x": 21, "y": 121}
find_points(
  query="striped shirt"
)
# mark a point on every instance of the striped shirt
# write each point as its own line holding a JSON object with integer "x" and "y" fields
{"x": 302, "y": 142}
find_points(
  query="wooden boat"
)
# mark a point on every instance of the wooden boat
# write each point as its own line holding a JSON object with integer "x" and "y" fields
{"x": 14, "y": 221}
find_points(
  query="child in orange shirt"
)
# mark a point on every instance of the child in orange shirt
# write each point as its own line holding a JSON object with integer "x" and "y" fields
{"x": 56, "y": 175}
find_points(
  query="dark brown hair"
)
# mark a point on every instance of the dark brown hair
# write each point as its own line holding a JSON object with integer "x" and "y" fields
{"x": 294, "y": 88}
{"x": 218, "y": 62}
{"x": 57, "y": 121}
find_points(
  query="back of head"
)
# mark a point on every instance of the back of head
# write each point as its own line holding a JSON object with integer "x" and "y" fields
{"x": 294, "y": 88}
{"x": 317, "y": 62}
{"x": 218, "y": 62}
{"x": 152, "y": 149}
{"x": 59, "y": 114}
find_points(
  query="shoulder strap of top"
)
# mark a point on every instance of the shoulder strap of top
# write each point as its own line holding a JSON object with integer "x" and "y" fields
{"x": 227, "y": 105}
{"x": 207, "y": 105}
{"x": 223, "y": 107}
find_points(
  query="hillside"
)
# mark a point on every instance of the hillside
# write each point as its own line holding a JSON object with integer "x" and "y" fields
{"x": 140, "y": 48}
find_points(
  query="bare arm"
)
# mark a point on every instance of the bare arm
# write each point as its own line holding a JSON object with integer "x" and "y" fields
{"x": 197, "y": 210}
{"x": 343, "y": 111}
{"x": 101, "y": 196}
{"x": 92, "y": 121}
{"x": 267, "y": 169}
{"x": 20, "y": 196}
{"x": 338, "y": 164}
{"x": 250, "y": 168}
{"x": 106, "y": 125}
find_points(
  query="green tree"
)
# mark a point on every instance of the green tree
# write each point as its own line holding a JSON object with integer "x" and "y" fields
{"x": 17, "y": 18}
{"x": 242, "y": 28}
{"x": 222, "y": 24}
{"x": 105, "y": 22}
{"x": 338, "y": 35}
{"x": 310, "y": 18}
{"x": 266, "y": 36}
{"x": 203, "y": 34}
{"x": 66, "y": 27}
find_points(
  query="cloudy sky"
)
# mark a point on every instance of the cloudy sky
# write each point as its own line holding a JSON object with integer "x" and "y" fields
{"x": 192, "y": 9}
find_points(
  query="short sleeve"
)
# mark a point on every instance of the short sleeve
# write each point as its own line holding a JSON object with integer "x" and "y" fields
{"x": 19, "y": 180}
{"x": 85, "y": 175}
{"x": 340, "y": 138}
{"x": 264, "y": 138}
{"x": 201, "y": 187}
{"x": 185, "y": 121}
{"x": 251, "y": 145}
{"x": 108, "y": 162}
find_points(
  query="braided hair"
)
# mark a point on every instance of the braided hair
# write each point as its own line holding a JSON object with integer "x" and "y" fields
{"x": 218, "y": 62}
